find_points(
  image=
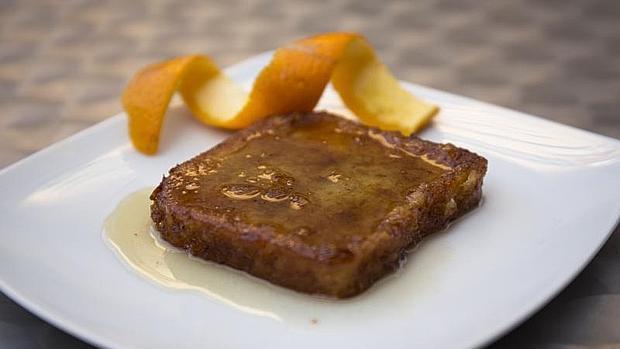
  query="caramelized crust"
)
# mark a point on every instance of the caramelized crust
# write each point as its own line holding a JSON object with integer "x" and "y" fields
{"x": 314, "y": 202}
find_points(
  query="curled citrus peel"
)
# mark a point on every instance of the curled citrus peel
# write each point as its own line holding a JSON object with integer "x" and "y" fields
{"x": 293, "y": 81}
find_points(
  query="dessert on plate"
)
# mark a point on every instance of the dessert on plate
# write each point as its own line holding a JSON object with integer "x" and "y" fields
{"x": 315, "y": 202}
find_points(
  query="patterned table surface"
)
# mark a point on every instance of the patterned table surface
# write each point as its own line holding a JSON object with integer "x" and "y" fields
{"x": 64, "y": 63}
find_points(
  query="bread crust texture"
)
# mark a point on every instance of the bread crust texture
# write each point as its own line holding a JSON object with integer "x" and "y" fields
{"x": 315, "y": 202}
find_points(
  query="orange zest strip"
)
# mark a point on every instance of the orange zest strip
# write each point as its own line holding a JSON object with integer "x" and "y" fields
{"x": 293, "y": 81}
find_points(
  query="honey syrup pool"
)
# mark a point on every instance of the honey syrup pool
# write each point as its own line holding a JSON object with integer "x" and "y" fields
{"x": 131, "y": 234}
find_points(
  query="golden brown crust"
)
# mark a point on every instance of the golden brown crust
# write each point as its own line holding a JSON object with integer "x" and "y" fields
{"x": 335, "y": 267}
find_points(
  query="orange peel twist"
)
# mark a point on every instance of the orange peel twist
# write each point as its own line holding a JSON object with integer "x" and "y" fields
{"x": 293, "y": 81}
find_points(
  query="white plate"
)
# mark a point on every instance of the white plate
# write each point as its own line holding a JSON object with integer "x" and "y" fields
{"x": 550, "y": 202}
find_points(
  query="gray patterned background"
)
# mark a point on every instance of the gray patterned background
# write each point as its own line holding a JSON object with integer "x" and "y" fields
{"x": 63, "y": 65}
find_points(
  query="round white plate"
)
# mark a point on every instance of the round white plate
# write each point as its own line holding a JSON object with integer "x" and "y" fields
{"x": 550, "y": 202}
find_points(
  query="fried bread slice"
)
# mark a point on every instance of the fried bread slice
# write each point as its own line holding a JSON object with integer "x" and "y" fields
{"x": 315, "y": 202}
